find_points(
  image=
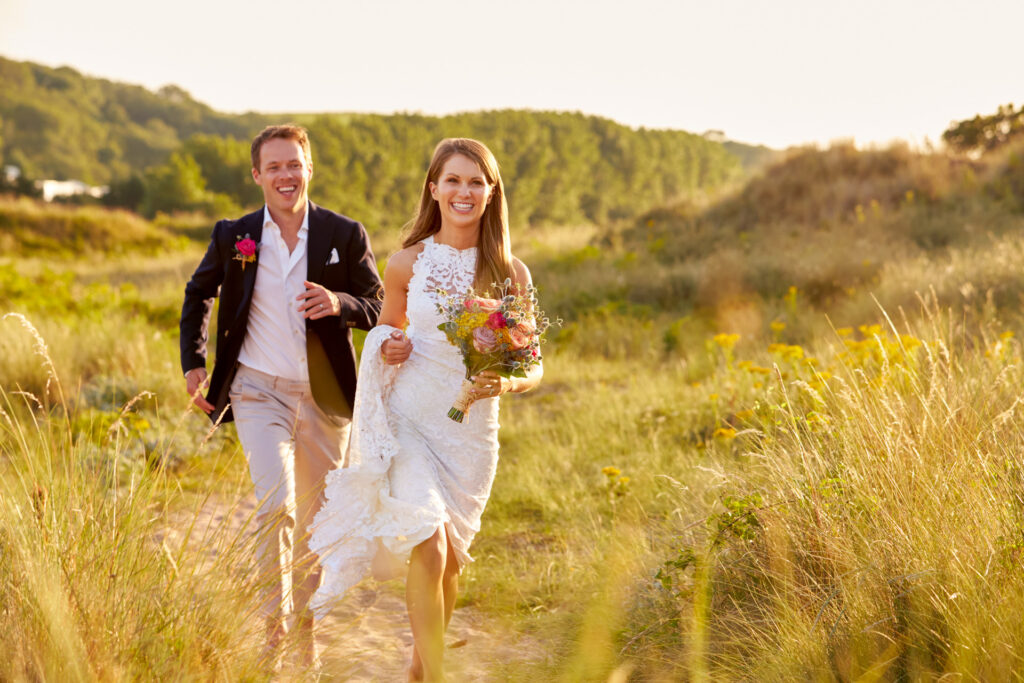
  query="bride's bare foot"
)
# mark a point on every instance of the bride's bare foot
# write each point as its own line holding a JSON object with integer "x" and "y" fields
{"x": 415, "y": 667}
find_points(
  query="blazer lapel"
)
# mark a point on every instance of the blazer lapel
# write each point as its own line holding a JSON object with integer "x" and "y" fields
{"x": 253, "y": 226}
{"x": 318, "y": 246}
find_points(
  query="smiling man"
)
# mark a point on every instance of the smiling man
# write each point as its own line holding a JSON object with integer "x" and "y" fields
{"x": 293, "y": 280}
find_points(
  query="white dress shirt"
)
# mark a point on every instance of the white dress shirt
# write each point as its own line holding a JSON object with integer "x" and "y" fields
{"x": 275, "y": 340}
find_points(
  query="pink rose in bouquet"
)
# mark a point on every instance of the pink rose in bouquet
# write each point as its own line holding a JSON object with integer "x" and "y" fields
{"x": 519, "y": 336}
{"x": 484, "y": 340}
{"x": 496, "y": 321}
{"x": 478, "y": 304}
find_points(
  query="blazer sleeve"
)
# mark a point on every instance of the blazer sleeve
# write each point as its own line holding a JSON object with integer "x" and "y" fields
{"x": 360, "y": 306}
{"x": 200, "y": 292}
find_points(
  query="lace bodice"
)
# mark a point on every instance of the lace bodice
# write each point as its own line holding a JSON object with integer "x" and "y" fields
{"x": 437, "y": 267}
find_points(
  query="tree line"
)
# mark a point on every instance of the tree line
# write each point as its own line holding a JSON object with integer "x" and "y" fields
{"x": 164, "y": 151}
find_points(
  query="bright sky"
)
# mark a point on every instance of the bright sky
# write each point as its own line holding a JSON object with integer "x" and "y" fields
{"x": 776, "y": 73}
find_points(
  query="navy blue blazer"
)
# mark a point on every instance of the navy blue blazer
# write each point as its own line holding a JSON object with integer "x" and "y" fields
{"x": 354, "y": 279}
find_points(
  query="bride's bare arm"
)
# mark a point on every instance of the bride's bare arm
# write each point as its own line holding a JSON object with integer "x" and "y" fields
{"x": 397, "y": 347}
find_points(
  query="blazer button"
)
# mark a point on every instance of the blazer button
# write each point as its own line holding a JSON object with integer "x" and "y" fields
{"x": 226, "y": 333}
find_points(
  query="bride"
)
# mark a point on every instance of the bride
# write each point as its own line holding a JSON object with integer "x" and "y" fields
{"x": 417, "y": 482}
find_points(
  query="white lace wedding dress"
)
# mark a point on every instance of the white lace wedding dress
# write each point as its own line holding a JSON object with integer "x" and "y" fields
{"x": 410, "y": 468}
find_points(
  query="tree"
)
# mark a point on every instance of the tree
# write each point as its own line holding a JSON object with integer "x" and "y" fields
{"x": 225, "y": 165}
{"x": 179, "y": 185}
{"x": 985, "y": 133}
{"x": 128, "y": 193}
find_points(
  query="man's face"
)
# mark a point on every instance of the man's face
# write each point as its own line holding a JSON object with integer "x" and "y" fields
{"x": 283, "y": 175}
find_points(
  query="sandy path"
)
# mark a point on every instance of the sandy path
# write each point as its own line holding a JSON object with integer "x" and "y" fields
{"x": 366, "y": 637}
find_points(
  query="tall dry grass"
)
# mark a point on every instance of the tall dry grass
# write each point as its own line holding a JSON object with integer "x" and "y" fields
{"x": 869, "y": 521}
{"x": 103, "y": 574}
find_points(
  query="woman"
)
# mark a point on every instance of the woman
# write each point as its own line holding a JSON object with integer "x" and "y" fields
{"x": 417, "y": 482}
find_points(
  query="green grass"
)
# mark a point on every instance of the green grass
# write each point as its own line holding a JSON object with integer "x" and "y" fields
{"x": 801, "y": 500}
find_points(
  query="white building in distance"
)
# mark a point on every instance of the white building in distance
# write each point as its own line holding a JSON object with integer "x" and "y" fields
{"x": 52, "y": 189}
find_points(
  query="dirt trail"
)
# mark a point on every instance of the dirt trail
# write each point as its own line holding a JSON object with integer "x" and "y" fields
{"x": 366, "y": 637}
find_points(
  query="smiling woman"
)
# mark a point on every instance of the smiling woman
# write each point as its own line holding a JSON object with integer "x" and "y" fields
{"x": 418, "y": 482}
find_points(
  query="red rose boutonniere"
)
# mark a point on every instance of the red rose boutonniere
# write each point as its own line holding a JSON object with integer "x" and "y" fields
{"x": 245, "y": 250}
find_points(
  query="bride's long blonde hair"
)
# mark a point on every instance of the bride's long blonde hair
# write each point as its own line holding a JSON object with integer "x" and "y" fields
{"x": 494, "y": 252}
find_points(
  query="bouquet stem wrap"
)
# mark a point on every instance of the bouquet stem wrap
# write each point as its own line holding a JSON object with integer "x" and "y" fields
{"x": 462, "y": 401}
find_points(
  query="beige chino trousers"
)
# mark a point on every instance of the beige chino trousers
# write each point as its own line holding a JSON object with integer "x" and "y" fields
{"x": 291, "y": 445}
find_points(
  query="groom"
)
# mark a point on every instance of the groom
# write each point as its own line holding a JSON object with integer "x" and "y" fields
{"x": 293, "y": 279}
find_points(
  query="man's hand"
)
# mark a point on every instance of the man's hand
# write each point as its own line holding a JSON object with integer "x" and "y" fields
{"x": 318, "y": 301}
{"x": 396, "y": 348}
{"x": 195, "y": 382}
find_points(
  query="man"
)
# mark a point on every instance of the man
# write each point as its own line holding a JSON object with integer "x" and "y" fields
{"x": 293, "y": 279}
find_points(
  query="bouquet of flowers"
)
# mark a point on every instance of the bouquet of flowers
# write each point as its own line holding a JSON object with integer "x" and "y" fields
{"x": 502, "y": 334}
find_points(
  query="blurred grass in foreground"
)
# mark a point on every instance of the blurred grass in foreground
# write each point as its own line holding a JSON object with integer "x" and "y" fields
{"x": 97, "y": 580}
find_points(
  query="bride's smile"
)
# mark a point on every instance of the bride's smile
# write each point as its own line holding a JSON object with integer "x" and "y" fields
{"x": 461, "y": 192}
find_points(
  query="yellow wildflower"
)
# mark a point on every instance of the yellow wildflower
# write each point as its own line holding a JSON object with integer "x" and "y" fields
{"x": 777, "y": 326}
{"x": 726, "y": 433}
{"x": 470, "y": 321}
{"x": 727, "y": 341}
{"x": 791, "y": 352}
{"x": 844, "y": 331}
{"x": 611, "y": 472}
{"x": 909, "y": 342}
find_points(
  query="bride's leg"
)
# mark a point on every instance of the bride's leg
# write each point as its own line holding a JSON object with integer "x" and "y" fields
{"x": 450, "y": 582}
{"x": 450, "y": 588}
{"x": 425, "y": 600}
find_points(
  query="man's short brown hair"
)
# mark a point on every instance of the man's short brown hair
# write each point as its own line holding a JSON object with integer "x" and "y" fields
{"x": 288, "y": 132}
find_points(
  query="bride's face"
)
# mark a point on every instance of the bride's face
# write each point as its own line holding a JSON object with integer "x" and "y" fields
{"x": 461, "y": 192}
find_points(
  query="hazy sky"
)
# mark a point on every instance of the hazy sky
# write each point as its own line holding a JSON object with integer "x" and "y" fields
{"x": 775, "y": 72}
